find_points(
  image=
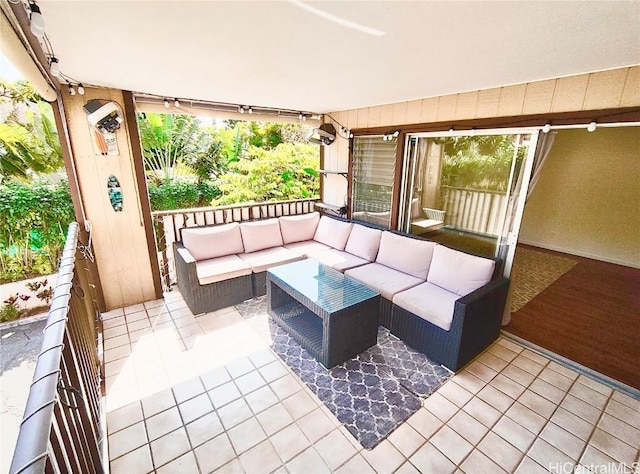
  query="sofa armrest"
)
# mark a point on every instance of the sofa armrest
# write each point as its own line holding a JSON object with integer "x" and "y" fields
{"x": 185, "y": 267}
{"x": 185, "y": 254}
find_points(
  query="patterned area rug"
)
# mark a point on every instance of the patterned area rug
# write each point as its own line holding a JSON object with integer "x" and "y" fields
{"x": 533, "y": 272}
{"x": 371, "y": 394}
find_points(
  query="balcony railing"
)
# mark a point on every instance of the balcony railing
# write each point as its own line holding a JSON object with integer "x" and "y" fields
{"x": 474, "y": 210}
{"x": 61, "y": 430}
{"x": 167, "y": 224}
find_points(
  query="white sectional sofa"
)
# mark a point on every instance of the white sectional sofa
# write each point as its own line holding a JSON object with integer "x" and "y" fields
{"x": 443, "y": 302}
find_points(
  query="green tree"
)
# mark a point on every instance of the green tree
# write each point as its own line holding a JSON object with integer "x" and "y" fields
{"x": 29, "y": 142}
{"x": 286, "y": 172}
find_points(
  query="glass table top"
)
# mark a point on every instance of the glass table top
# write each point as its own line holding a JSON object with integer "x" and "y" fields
{"x": 326, "y": 287}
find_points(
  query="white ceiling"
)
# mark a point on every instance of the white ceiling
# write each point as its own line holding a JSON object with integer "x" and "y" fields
{"x": 278, "y": 54}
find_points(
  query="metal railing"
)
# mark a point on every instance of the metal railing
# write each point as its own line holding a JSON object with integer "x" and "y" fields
{"x": 61, "y": 430}
{"x": 474, "y": 210}
{"x": 167, "y": 224}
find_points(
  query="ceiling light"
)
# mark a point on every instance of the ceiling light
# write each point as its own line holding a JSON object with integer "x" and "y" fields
{"x": 37, "y": 21}
{"x": 592, "y": 127}
{"x": 80, "y": 89}
{"x": 250, "y": 111}
{"x": 451, "y": 131}
{"x": 546, "y": 128}
{"x": 177, "y": 103}
{"x": 241, "y": 109}
{"x": 166, "y": 103}
{"x": 395, "y": 134}
{"x": 72, "y": 91}
{"x": 54, "y": 66}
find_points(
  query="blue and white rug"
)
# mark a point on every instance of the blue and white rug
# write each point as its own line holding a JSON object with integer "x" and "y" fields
{"x": 371, "y": 394}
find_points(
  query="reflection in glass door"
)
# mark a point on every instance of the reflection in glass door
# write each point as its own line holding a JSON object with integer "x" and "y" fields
{"x": 457, "y": 190}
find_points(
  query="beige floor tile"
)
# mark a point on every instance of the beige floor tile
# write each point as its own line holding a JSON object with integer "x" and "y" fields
{"x": 451, "y": 444}
{"x": 300, "y": 404}
{"x": 385, "y": 458}
{"x": 549, "y": 456}
{"x": 620, "y": 429}
{"x": 170, "y": 447}
{"x": 188, "y": 389}
{"x": 613, "y": 447}
{"x": 407, "y": 468}
{"x": 467, "y": 427}
{"x": 589, "y": 395}
{"x": 555, "y": 378}
{"x": 572, "y": 423}
{"x": 114, "y": 322}
{"x": 561, "y": 369}
{"x": 481, "y": 371}
{"x": 108, "y": 333}
{"x": 157, "y": 402}
{"x": 289, "y": 442}
{"x": 274, "y": 419}
{"x": 239, "y": 367}
{"x": 114, "y": 313}
{"x": 509, "y": 344}
{"x": 548, "y": 391}
{"x": 117, "y": 353}
{"x": 185, "y": 463}
{"x": 138, "y": 461}
{"x": 221, "y": 446}
{"x": 529, "y": 466}
{"x": 482, "y": 411}
{"x": 494, "y": 362}
{"x": 516, "y": 374}
{"x": 139, "y": 325}
{"x": 495, "y": 398}
{"x": 214, "y": 378}
{"x": 250, "y": 382}
{"x": 234, "y": 413}
{"x": 623, "y": 412}
{"x": 478, "y": 462}
{"x": 440, "y": 406}
{"x": 527, "y": 364}
{"x": 507, "y": 386}
{"x": 315, "y": 424}
{"x": 534, "y": 356}
{"x": 356, "y": 465}
{"x": 566, "y": 442}
{"x": 597, "y": 386}
{"x": 273, "y": 371}
{"x": 261, "y": 399}
{"x": 406, "y": 439}
{"x": 429, "y": 459}
{"x": 515, "y": 434}
{"x": 123, "y": 417}
{"x": 499, "y": 350}
{"x": 307, "y": 462}
{"x": 224, "y": 394}
{"x": 127, "y": 440}
{"x": 335, "y": 449}
{"x": 594, "y": 457}
{"x": 195, "y": 408}
{"x": 455, "y": 393}
{"x": 526, "y": 418}
{"x": 262, "y": 357}
{"x": 285, "y": 386}
{"x": 580, "y": 408}
{"x": 246, "y": 435}
{"x": 162, "y": 423}
{"x": 469, "y": 381}
{"x": 624, "y": 399}
{"x": 114, "y": 367}
{"x": 501, "y": 452}
{"x": 260, "y": 458}
{"x": 204, "y": 428}
{"x": 535, "y": 402}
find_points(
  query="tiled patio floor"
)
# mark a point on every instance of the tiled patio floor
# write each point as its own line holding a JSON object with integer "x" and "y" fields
{"x": 206, "y": 394}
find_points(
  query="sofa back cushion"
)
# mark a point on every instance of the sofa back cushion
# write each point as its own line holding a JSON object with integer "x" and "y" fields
{"x": 212, "y": 242}
{"x": 333, "y": 232}
{"x": 459, "y": 272}
{"x": 260, "y": 235}
{"x": 411, "y": 256}
{"x": 299, "y": 228}
{"x": 364, "y": 242}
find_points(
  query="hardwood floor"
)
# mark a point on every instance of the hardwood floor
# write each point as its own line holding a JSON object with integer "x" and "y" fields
{"x": 590, "y": 315}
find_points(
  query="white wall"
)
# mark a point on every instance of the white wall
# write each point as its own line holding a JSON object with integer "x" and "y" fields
{"x": 587, "y": 201}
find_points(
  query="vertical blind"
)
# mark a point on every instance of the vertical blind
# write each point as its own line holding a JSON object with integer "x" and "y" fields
{"x": 374, "y": 162}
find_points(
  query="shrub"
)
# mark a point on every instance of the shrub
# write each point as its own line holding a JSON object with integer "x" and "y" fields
{"x": 177, "y": 194}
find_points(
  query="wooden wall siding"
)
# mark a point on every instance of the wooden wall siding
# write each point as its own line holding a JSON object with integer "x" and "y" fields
{"x": 599, "y": 90}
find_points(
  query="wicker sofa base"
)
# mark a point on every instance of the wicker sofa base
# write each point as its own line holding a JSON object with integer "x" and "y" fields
{"x": 259, "y": 282}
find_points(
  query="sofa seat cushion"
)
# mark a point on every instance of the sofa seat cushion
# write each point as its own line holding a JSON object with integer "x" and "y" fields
{"x": 383, "y": 279}
{"x": 364, "y": 242}
{"x": 261, "y": 235}
{"x": 304, "y": 249}
{"x": 221, "y": 268}
{"x": 338, "y": 259}
{"x": 209, "y": 242}
{"x": 459, "y": 272}
{"x": 333, "y": 232}
{"x": 299, "y": 228}
{"x": 261, "y": 260}
{"x": 429, "y": 302}
{"x": 411, "y": 256}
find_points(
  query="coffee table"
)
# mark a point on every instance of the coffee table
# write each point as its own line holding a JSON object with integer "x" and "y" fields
{"x": 332, "y": 316}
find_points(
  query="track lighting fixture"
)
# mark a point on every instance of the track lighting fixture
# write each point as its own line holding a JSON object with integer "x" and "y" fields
{"x": 451, "y": 131}
{"x": 176, "y": 103}
{"x": 592, "y": 127}
{"x": 241, "y": 109}
{"x": 166, "y": 103}
{"x": 250, "y": 111}
{"x": 54, "y": 66}
{"x": 80, "y": 89}
{"x": 37, "y": 21}
{"x": 546, "y": 128}
{"x": 72, "y": 91}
